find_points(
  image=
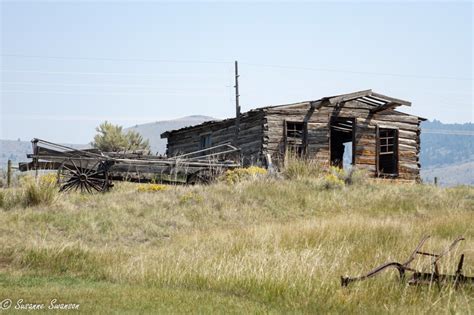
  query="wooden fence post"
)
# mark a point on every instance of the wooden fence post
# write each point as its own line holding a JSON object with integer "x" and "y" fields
{"x": 9, "y": 173}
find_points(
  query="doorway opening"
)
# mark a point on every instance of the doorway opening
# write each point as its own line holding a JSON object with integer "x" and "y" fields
{"x": 342, "y": 142}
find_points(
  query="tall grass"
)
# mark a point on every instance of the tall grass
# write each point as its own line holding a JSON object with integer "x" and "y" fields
{"x": 260, "y": 245}
{"x": 320, "y": 175}
{"x": 297, "y": 168}
{"x": 30, "y": 193}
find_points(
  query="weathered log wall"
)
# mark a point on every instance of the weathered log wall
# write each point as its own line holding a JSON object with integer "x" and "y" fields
{"x": 187, "y": 140}
{"x": 263, "y": 131}
{"x": 318, "y": 134}
{"x": 408, "y": 141}
{"x": 274, "y": 131}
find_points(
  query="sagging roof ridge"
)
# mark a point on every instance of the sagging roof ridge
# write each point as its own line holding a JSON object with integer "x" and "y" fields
{"x": 340, "y": 98}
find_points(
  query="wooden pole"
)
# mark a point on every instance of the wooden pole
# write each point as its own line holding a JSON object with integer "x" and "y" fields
{"x": 237, "y": 105}
{"x": 9, "y": 173}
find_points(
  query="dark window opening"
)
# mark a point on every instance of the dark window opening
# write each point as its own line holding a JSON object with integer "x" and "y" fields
{"x": 342, "y": 134}
{"x": 388, "y": 152}
{"x": 294, "y": 138}
{"x": 205, "y": 141}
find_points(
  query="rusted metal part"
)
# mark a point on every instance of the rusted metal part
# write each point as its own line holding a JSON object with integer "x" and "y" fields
{"x": 457, "y": 278}
{"x": 420, "y": 277}
{"x": 91, "y": 170}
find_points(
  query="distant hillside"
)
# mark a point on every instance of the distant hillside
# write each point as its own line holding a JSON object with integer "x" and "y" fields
{"x": 447, "y": 152}
{"x": 446, "y": 144}
{"x": 450, "y": 175}
{"x": 17, "y": 150}
{"x": 14, "y": 150}
{"x": 152, "y": 131}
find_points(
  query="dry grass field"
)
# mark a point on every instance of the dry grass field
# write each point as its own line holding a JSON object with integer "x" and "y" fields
{"x": 261, "y": 245}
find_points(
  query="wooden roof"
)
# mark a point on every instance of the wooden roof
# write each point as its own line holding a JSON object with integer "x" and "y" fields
{"x": 379, "y": 102}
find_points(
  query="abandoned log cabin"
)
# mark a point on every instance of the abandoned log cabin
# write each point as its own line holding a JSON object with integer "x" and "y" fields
{"x": 365, "y": 124}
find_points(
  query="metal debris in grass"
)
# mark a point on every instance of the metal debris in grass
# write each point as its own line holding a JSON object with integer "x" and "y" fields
{"x": 420, "y": 277}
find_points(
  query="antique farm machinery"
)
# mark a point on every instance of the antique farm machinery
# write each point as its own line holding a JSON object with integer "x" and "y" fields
{"x": 420, "y": 277}
{"x": 90, "y": 170}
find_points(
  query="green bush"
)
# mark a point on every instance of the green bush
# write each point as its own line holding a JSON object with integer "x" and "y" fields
{"x": 112, "y": 138}
{"x": 237, "y": 175}
{"x": 332, "y": 181}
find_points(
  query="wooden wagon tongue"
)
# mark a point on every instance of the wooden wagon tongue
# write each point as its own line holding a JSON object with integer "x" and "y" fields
{"x": 420, "y": 277}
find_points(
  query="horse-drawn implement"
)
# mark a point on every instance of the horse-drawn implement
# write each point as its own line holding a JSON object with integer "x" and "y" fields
{"x": 91, "y": 170}
{"x": 420, "y": 277}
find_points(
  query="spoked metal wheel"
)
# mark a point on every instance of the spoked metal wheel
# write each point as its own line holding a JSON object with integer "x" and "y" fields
{"x": 86, "y": 176}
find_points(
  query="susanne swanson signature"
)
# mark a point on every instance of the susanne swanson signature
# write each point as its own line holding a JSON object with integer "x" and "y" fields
{"x": 53, "y": 305}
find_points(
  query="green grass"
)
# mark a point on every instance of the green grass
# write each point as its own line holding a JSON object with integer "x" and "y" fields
{"x": 258, "y": 246}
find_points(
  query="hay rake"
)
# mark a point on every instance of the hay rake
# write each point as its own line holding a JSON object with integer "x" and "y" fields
{"x": 420, "y": 277}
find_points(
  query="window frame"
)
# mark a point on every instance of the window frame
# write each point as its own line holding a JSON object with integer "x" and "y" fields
{"x": 387, "y": 145}
{"x": 207, "y": 143}
{"x": 297, "y": 141}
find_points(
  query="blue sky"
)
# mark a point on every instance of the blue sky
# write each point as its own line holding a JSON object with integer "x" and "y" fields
{"x": 67, "y": 66}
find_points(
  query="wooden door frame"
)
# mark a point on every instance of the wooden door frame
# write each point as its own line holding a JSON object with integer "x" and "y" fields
{"x": 354, "y": 122}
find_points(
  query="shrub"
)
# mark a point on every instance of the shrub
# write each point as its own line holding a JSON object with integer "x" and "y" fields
{"x": 332, "y": 181}
{"x": 339, "y": 173}
{"x": 238, "y": 174}
{"x": 151, "y": 187}
{"x": 112, "y": 138}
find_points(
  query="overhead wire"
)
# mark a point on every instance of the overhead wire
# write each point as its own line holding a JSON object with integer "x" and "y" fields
{"x": 117, "y": 59}
{"x": 358, "y": 72}
{"x": 86, "y": 93}
{"x": 177, "y": 74}
{"x": 110, "y": 85}
{"x": 423, "y": 76}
